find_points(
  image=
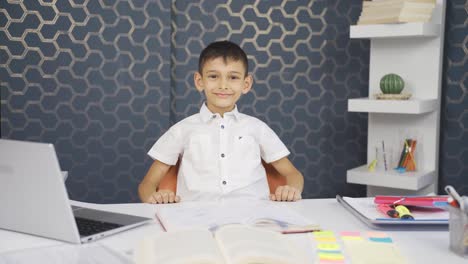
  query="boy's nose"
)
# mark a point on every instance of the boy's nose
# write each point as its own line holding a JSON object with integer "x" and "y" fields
{"x": 224, "y": 84}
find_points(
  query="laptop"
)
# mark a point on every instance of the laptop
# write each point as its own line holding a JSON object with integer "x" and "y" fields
{"x": 34, "y": 200}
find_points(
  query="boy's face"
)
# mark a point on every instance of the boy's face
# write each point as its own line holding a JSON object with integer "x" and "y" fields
{"x": 223, "y": 83}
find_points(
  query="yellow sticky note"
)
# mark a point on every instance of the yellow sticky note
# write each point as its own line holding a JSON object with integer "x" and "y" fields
{"x": 328, "y": 246}
{"x": 324, "y": 234}
{"x": 325, "y": 239}
{"x": 328, "y": 256}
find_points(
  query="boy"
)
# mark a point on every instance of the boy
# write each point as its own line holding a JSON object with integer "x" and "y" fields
{"x": 220, "y": 149}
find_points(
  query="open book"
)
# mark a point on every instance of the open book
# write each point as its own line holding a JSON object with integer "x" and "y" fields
{"x": 234, "y": 244}
{"x": 212, "y": 215}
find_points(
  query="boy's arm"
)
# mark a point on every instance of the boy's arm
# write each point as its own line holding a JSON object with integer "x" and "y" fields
{"x": 294, "y": 181}
{"x": 149, "y": 184}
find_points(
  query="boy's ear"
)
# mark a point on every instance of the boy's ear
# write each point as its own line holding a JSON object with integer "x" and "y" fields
{"x": 248, "y": 82}
{"x": 197, "y": 79}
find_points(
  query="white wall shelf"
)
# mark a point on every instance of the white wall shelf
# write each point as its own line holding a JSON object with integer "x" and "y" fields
{"x": 411, "y": 106}
{"x": 391, "y": 179}
{"x": 395, "y": 30}
{"x": 414, "y": 51}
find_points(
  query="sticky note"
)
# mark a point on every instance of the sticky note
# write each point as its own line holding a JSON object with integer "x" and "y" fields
{"x": 325, "y": 239}
{"x": 329, "y": 256}
{"x": 376, "y": 234}
{"x": 351, "y": 238}
{"x": 324, "y": 234}
{"x": 350, "y": 233}
{"x": 327, "y": 261}
{"x": 370, "y": 252}
{"x": 381, "y": 239}
{"x": 328, "y": 246}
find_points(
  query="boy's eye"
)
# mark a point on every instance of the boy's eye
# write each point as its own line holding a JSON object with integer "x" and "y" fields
{"x": 235, "y": 77}
{"x": 212, "y": 76}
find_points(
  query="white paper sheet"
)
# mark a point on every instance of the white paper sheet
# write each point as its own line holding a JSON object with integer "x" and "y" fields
{"x": 236, "y": 211}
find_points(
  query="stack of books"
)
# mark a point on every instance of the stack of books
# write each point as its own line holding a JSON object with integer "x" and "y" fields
{"x": 396, "y": 11}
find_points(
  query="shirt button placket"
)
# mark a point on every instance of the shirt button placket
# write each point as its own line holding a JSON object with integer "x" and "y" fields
{"x": 222, "y": 149}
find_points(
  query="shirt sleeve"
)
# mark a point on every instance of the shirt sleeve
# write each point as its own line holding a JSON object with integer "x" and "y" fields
{"x": 271, "y": 146}
{"x": 168, "y": 147}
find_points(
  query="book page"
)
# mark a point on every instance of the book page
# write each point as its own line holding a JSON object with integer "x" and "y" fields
{"x": 188, "y": 246}
{"x": 367, "y": 207}
{"x": 211, "y": 215}
{"x": 243, "y": 244}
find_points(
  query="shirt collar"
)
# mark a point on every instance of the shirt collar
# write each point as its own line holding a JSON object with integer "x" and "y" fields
{"x": 206, "y": 115}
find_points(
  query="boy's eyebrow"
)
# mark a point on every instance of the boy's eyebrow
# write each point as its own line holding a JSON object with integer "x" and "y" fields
{"x": 215, "y": 71}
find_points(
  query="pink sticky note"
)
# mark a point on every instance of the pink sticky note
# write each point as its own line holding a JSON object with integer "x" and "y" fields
{"x": 377, "y": 234}
{"x": 327, "y": 261}
{"x": 350, "y": 233}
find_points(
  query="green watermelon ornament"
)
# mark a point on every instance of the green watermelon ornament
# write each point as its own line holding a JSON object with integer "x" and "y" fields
{"x": 391, "y": 84}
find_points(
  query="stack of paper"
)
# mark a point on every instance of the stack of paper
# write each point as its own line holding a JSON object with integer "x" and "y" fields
{"x": 396, "y": 11}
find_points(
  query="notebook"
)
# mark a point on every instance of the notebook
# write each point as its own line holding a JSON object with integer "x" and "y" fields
{"x": 34, "y": 200}
{"x": 366, "y": 210}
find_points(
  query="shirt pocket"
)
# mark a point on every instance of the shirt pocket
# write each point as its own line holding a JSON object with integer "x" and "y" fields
{"x": 246, "y": 155}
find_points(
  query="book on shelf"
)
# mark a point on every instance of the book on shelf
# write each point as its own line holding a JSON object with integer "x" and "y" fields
{"x": 388, "y": 11}
{"x": 394, "y": 20}
{"x": 234, "y": 244}
{"x": 212, "y": 215}
{"x": 397, "y": 2}
{"x": 379, "y": 11}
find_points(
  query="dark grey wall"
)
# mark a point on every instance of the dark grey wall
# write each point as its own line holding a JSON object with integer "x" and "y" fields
{"x": 103, "y": 82}
{"x": 454, "y": 118}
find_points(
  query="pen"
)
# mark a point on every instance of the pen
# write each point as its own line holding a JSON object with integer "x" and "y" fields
{"x": 453, "y": 193}
{"x": 403, "y": 212}
{"x": 286, "y": 232}
{"x": 388, "y": 210}
{"x": 384, "y": 157}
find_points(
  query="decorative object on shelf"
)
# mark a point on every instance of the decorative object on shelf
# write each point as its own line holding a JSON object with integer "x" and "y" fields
{"x": 391, "y": 84}
{"x": 371, "y": 167}
{"x": 402, "y": 96}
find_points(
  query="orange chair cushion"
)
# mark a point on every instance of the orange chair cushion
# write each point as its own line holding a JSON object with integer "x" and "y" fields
{"x": 274, "y": 178}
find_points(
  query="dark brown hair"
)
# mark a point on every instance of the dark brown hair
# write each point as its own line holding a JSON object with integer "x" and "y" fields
{"x": 226, "y": 50}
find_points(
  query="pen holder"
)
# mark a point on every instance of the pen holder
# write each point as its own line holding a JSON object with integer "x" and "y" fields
{"x": 458, "y": 229}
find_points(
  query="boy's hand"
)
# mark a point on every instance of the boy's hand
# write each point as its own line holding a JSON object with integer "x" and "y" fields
{"x": 163, "y": 197}
{"x": 286, "y": 193}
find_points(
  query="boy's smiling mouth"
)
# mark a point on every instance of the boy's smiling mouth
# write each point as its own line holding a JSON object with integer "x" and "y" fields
{"x": 222, "y": 95}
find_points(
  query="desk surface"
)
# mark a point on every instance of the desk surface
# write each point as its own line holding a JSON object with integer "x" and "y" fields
{"x": 417, "y": 245}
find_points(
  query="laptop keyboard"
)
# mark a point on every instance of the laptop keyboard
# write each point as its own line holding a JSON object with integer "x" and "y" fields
{"x": 87, "y": 227}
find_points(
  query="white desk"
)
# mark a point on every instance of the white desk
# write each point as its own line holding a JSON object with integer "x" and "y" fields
{"x": 418, "y": 246}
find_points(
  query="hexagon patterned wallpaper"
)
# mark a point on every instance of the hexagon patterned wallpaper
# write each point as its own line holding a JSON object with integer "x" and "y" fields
{"x": 102, "y": 80}
{"x": 454, "y": 116}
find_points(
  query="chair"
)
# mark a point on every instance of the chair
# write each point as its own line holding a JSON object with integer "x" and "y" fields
{"x": 274, "y": 178}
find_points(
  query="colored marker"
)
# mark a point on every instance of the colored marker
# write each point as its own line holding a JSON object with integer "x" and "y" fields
{"x": 453, "y": 193}
{"x": 452, "y": 202}
{"x": 388, "y": 210}
{"x": 403, "y": 212}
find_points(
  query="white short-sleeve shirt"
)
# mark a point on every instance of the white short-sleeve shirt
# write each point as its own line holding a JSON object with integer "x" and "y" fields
{"x": 220, "y": 156}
